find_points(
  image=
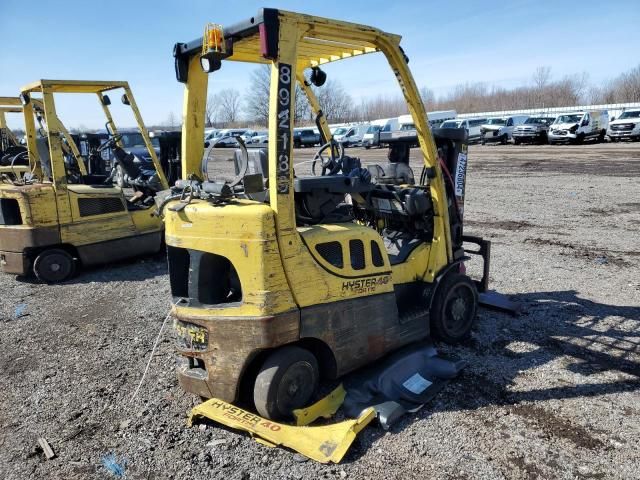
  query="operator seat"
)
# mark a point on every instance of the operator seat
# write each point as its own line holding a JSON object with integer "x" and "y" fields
{"x": 392, "y": 174}
{"x": 397, "y": 171}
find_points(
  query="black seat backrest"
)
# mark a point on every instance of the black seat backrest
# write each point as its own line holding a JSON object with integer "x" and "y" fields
{"x": 392, "y": 174}
{"x": 331, "y": 184}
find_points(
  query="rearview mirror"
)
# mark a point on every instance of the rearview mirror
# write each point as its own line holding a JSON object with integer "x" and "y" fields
{"x": 125, "y": 99}
{"x": 106, "y": 101}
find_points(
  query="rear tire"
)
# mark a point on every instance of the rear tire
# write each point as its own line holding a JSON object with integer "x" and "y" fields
{"x": 288, "y": 379}
{"x": 119, "y": 180}
{"x": 454, "y": 308}
{"x": 54, "y": 265}
{"x": 601, "y": 136}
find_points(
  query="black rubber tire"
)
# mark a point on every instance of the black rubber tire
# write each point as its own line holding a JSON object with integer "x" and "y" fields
{"x": 601, "y": 136}
{"x": 119, "y": 177}
{"x": 505, "y": 139}
{"x": 516, "y": 142}
{"x": 288, "y": 379}
{"x": 454, "y": 308}
{"x": 54, "y": 265}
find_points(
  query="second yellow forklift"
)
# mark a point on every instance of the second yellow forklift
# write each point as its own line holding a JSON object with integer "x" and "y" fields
{"x": 56, "y": 216}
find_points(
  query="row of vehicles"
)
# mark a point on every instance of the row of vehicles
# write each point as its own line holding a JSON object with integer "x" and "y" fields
{"x": 572, "y": 127}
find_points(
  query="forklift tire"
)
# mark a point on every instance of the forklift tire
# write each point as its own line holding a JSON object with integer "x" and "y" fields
{"x": 54, "y": 265}
{"x": 288, "y": 379}
{"x": 119, "y": 177}
{"x": 454, "y": 308}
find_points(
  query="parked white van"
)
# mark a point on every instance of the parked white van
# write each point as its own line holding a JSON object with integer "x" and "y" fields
{"x": 500, "y": 129}
{"x": 372, "y": 135}
{"x": 577, "y": 127}
{"x": 472, "y": 125}
{"x": 350, "y": 136}
{"x": 627, "y": 125}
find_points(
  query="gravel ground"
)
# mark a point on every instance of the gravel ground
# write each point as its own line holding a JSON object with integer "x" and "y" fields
{"x": 549, "y": 394}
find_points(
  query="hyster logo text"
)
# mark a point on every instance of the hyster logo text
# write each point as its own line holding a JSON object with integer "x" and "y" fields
{"x": 364, "y": 285}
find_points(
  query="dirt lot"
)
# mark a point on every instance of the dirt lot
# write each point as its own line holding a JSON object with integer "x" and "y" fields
{"x": 550, "y": 394}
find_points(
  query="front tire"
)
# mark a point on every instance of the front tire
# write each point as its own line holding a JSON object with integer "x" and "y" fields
{"x": 505, "y": 139}
{"x": 120, "y": 180}
{"x": 54, "y": 265}
{"x": 288, "y": 379}
{"x": 454, "y": 308}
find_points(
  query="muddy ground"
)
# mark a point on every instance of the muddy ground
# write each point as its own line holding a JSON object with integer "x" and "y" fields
{"x": 552, "y": 393}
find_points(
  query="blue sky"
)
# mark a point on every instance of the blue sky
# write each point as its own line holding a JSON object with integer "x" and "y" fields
{"x": 448, "y": 43}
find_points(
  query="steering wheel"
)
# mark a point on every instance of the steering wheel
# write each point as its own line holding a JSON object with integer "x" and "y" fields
{"x": 331, "y": 164}
{"x": 109, "y": 143}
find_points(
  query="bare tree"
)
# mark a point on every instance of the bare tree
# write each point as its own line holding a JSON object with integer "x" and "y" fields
{"x": 541, "y": 77}
{"x": 226, "y": 106}
{"x": 335, "y": 102}
{"x": 257, "y": 97}
{"x": 171, "y": 121}
{"x": 428, "y": 98}
{"x": 209, "y": 111}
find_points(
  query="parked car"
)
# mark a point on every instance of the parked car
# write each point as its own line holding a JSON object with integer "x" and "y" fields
{"x": 248, "y": 135}
{"x": 472, "y": 125}
{"x": 626, "y": 126}
{"x": 350, "y": 136}
{"x": 226, "y": 138}
{"x": 579, "y": 126}
{"x": 371, "y": 138}
{"x": 305, "y": 137}
{"x": 500, "y": 129}
{"x": 261, "y": 136}
{"x": 534, "y": 130}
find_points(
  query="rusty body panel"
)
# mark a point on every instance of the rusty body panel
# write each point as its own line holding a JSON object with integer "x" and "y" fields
{"x": 232, "y": 344}
{"x": 352, "y": 329}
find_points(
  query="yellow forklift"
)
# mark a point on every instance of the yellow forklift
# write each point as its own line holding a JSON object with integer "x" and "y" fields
{"x": 13, "y": 155}
{"x": 56, "y": 215}
{"x": 278, "y": 279}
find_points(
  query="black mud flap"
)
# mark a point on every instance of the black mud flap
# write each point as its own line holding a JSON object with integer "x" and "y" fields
{"x": 401, "y": 383}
